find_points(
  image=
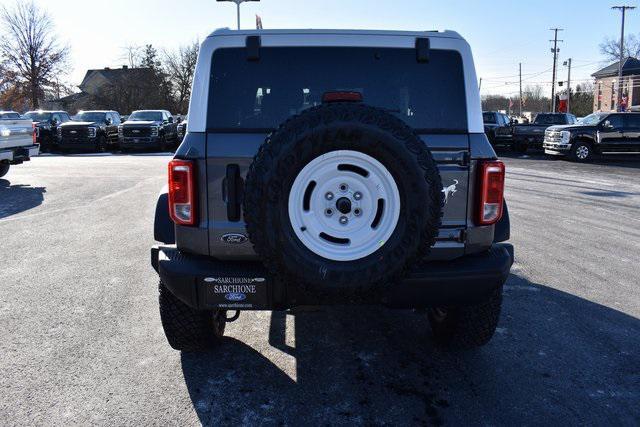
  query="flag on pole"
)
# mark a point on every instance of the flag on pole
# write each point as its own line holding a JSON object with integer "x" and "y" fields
{"x": 258, "y": 22}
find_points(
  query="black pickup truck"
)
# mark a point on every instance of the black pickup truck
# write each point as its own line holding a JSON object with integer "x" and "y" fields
{"x": 499, "y": 128}
{"x": 148, "y": 129}
{"x": 46, "y": 127}
{"x": 91, "y": 130}
{"x": 598, "y": 133}
{"x": 532, "y": 135}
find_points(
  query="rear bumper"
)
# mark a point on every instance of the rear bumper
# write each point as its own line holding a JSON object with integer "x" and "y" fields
{"x": 204, "y": 283}
{"x": 17, "y": 155}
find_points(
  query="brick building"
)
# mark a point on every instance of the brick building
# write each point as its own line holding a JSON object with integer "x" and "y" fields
{"x": 605, "y": 95}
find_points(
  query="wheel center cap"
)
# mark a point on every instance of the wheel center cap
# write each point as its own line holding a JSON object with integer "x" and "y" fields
{"x": 343, "y": 205}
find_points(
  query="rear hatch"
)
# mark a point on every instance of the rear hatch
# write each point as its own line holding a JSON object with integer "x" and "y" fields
{"x": 248, "y": 99}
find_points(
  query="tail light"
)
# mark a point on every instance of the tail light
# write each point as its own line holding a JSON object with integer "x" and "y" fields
{"x": 491, "y": 182}
{"x": 34, "y": 133}
{"x": 182, "y": 202}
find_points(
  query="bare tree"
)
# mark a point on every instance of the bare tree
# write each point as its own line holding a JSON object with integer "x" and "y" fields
{"x": 610, "y": 48}
{"x": 180, "y": 66}
{"x": 132, "y": 54}
{"x": 30, "y": 49}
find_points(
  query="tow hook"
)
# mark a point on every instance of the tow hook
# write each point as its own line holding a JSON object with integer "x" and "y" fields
{"x": 232, "y": 318}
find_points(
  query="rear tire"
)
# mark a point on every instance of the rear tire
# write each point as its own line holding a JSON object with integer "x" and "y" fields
{"x": 4, "y": 169}
{"x": 466, "y": 327}
{"x": 188, "y": 329}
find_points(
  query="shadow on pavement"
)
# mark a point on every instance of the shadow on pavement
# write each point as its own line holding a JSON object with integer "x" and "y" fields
{"x": 19, "y": 198}
{"x": 555, "y": 358}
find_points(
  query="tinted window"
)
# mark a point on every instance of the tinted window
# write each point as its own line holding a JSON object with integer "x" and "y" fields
{"x": 489, "y": 118}
{"x": 633, "y": 121}
{"x": 89, "y": 116}
{"x": 616, "y": 121}
{"x": 286, "y": 80}
{"x": 154, "y": 116}
{"x": 550, "y": 119}
{"x": 9, "y": 116}
{"x": 38, "y": 117}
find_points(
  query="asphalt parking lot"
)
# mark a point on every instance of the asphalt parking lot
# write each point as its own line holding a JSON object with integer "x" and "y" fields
{"x": 81, "y": 340}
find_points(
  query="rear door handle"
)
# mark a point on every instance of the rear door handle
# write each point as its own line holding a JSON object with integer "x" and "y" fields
{"x": 232, "y": 189}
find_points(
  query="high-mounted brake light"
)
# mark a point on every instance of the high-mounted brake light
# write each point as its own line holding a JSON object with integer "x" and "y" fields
{"x": 341, "y": 96}
{"x": 182, "y": 201}
{"x": 491, "y": 185}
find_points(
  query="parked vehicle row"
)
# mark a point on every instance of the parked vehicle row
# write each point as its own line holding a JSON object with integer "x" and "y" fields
{"x": 104, "y": 130}
{"x": 561, "y": 134}
{"x": 17, "y": 140}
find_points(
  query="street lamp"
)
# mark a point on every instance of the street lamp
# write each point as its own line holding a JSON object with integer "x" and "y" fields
{"x": 238, "y": 2}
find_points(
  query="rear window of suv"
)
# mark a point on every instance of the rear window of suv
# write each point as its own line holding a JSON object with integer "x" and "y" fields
{"x": 260, "y": 95}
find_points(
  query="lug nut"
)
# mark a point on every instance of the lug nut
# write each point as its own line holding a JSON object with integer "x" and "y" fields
{"x": 344, "y": 220}
{"x": 328, "y": 212}
{"x": 344, "y": 187}
{"x": 357, "y": 195}
{"x": 357, "y": 212}
{"x": 329, "y": 196}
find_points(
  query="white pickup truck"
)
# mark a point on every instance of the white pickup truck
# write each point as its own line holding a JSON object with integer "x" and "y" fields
{"x": 17, "y": 140}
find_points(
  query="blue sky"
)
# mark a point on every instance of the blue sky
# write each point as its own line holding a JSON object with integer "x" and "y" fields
{"x": 501, "y": 33}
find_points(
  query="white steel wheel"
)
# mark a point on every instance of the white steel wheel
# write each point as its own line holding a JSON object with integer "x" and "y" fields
{"x": 344, "y": 205}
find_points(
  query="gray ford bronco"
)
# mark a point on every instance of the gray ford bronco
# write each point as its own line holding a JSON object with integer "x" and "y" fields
{"x": 329, "y": 167}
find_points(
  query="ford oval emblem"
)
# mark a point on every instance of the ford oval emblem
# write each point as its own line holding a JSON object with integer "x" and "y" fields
{"x": 235, "y": 296}
{"x": 234, "y": 238}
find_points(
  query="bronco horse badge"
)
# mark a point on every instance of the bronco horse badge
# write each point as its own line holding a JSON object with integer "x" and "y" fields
{"x": 449, "y": 191}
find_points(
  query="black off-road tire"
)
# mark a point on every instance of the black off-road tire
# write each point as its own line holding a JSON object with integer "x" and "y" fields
{"x": 576, "y": 157}
{"x": 466, "y": 327}
{"x": 187, "y": 329}
{"x": 4, "y": 169}
{"x": 320, "y": 130}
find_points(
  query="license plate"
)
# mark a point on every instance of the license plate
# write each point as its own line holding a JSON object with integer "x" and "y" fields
{"x": 237, "y": 292}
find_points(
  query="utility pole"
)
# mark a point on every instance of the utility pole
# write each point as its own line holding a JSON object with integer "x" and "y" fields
{"x": 520, "y": 100}
{"x": 624, "y": 12}
{"x": 555, "y": 51}
{"x": 568, "y": 64}
{"x": 238, "y": 3}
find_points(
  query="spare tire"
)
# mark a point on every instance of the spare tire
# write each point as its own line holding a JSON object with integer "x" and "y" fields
{"x": 342, "y": 197}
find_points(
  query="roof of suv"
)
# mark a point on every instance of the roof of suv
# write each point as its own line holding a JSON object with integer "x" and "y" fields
{"x": 226, "y": 38}
{"x": 431, "y": 33}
